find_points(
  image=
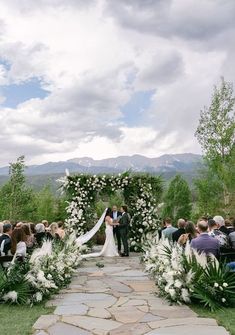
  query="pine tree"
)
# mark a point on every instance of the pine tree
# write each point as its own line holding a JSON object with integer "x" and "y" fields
{"x": 177, "y": 199}
{"x": 45, "y": 204}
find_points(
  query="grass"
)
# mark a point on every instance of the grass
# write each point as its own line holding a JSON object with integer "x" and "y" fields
{"x": 18, "y": 320}
{"x": 225, "y": 317}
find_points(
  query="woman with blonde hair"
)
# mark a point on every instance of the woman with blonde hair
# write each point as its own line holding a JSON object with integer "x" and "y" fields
{"x": 53, "y": 231}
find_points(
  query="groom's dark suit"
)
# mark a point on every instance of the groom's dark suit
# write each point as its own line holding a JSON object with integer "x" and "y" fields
{"x": 124, "y": 228}
{"x": 116, "y": 231}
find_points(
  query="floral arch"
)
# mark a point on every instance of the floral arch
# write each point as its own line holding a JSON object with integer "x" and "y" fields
{"x": 141, "y": 193}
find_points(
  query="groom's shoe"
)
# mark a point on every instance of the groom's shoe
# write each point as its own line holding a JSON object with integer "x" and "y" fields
{"x": 124, "y": 255}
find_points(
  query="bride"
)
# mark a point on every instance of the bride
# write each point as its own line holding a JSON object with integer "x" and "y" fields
{"x": 109, "y": 248}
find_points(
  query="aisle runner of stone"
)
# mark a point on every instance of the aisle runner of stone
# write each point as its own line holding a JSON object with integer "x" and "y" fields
{"x": 118, "y": 299}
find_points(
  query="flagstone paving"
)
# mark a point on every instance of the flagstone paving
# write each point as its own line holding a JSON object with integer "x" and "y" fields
{"x": 118, "y": 299}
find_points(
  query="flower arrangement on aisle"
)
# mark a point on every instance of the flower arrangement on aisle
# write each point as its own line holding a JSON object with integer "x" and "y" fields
{"x": 183, "y": 275}
{"x": 141, "y": 193}
{"x": 47, "y": 270}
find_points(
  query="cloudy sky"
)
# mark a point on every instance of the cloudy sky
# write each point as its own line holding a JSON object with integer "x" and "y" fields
{"x": 103, "y": 78}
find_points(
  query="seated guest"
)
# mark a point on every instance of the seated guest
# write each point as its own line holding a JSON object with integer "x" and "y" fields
{"x": 221, "y": 224}
{"x": 218, "y": 234}
{"x": 231, "y": 237}
{"x": 190, "y": 233}
{"x": 30, "y": 239}
{"x": 32, "y": 228}
{"x": 53, "y": 231}
{"x": 60, "y": 229}
{"x": 46, "y": 224}
{"x": 167, "y": 233}
{"x": 204, "y": 242}
{"x": 40, "y": 233}
{"x": 19, "y": 224}
{"x": 5, "y": 240}
{"x": 229, "y": 225}
{"x": 181, "y": 225}
{"x": 18, "y": 245}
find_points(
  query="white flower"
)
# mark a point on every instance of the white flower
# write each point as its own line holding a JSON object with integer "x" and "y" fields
{"x": 225, "y": 285}
{"x": 12, "y": 295}
{"x": 185, "y": 295}
{"x": 41, "y": 276}
{"x": 178, "y": 283}
{"x": 216, "y": 285}
{"x": 141, "y": 230}
{"x": 172, "y": 292}
{"x": 223, "y": 300}
{"x": 189, "y": 276}
{"x": 38, "y": 296}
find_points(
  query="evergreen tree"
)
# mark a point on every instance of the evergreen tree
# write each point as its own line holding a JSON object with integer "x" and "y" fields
{"x": 209, "y": 192}
{"x": 45, "y": 201}
{"x": 177, "y": 201}
{"x": 60, "y": 208}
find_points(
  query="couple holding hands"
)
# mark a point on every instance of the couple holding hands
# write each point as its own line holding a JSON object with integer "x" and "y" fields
{"x": 116, "y": 224}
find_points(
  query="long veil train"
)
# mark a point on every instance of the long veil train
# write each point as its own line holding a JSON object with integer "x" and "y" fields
{"x": 88, "y": 235}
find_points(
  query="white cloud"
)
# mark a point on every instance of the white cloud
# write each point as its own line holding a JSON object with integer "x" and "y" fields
{"x": 92, "y": 56}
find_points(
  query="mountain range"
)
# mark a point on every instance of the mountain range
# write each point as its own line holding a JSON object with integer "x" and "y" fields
{"x": 182, "y": 163}
{"x": 37, "y": 176}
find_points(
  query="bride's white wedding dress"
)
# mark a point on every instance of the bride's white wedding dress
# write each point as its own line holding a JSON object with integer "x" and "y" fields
{"x": 109, "y": 248}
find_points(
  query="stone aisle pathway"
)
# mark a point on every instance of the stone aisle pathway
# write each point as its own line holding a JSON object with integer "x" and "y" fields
{"x": 118, "y": 299}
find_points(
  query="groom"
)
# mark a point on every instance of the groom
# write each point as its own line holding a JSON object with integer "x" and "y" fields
{"x": 123, "y": 229}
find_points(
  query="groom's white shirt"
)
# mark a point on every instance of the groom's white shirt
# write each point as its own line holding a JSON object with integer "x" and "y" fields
{"x": 115, "y": 215}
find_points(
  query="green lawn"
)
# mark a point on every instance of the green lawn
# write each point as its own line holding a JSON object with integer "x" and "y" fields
{"x": 224, "y": 318}
{"x": 18, "y": 320}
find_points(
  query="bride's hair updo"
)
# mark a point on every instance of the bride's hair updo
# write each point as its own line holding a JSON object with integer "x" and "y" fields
{"x": 108, "y": 212}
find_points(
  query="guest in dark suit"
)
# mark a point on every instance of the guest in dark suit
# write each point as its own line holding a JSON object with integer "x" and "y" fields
{"x": 124, "y": 229}
{"x": 204, "y": 242}
{"x": 115, "y": 215}
{"x": 181, "y": 225}
{"x": 5, "y": 240}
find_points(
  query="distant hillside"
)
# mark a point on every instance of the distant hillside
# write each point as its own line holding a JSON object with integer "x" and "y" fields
{"x": 137, "y": 163}
{"x": 166, "y": 165}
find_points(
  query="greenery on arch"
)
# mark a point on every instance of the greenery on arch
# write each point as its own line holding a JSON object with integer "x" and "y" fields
{"x": 141, "y": 193}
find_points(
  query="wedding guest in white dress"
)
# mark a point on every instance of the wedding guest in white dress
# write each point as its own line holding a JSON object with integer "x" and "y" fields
{"x": 109, "y": 248}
